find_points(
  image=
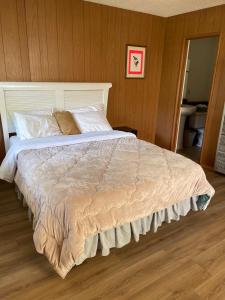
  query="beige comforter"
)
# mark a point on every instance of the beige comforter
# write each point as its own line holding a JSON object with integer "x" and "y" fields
{"x": 75, "y": 191}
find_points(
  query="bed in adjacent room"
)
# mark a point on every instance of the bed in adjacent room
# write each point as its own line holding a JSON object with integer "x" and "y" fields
{"x": 96, "y": 188}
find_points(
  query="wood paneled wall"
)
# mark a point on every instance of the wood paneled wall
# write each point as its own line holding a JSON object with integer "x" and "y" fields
{"x": 73, "y": 40}
{"x": 178, "y": 29}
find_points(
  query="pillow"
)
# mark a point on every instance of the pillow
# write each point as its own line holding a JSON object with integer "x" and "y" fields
{"x": 66, "y": 122}
{"x": 32, "y": 112}
{"x": 35, "y": 125}
{"x": 92, "y": 121}
{"x": 95, "y": 107}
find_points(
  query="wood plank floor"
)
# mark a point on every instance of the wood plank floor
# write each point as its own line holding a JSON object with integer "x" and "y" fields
{"x": 183, "y": 260}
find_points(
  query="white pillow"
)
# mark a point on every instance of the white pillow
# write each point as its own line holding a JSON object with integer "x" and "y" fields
{"x": 30, "y": 126}
{"x": 28, "y": 112}
{"x": 95, "y": 107}
{"x": 91, "y": 121}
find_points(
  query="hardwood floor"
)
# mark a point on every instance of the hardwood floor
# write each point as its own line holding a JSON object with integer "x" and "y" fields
{"x": 193, "y": 153}
{"x": 183, "y": 260}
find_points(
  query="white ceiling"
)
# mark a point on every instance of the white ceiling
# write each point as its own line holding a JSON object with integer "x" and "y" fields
{"x": 164, "y": 8}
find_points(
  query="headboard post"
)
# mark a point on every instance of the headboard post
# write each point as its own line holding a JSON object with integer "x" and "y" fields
{"x": 33, "y": 96}
{"x": 4, "y": 119}
{"x": 105, "y": 99}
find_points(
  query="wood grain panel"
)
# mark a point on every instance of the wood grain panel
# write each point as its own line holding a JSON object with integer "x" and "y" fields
{"x": 42, "y": 38}
{"x": 134, "y": 92}
{"x": 52, "y": 40}
{"x": 215, "y": 110}
{"x": 166, "y": 109}
{"x": 2, "y": 55}
{"x": 11, "y": 41}
{"x": 78, "y": 41}
{"x": 179, "y": 28}
{"x": 113, "y": 72}
{"x": 65, "y": 39}
{"x": 124, "y": 85}
{"x": 93, "y": 50}
{"x": 152, "y": 86}
{"x": 33, "y": 40}
{"x": 2, "y": 77}
{"x": 22, "y": 29}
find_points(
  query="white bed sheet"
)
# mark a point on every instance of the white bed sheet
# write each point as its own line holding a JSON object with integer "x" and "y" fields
{"x": 13, "y": 139}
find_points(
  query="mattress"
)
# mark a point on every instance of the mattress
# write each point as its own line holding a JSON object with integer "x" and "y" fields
{"x": 80, "y": 187}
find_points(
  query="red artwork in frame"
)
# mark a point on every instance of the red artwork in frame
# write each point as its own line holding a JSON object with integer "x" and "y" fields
{"x": 135, "y": 61}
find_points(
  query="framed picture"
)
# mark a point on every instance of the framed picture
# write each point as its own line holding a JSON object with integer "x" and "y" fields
{"x": 135, "y": 61}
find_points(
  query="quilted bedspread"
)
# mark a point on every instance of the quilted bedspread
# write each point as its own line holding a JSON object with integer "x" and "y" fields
{"x": 77, "y": 190}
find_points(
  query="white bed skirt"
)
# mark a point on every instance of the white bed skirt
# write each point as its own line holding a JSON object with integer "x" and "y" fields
{"x": 121, "y": 235}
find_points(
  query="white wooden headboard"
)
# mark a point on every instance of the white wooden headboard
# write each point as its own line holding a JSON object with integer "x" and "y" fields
{"x": 25, "y": 96}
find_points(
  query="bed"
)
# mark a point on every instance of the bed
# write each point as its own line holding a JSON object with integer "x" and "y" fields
{"x": 96, "y": 190}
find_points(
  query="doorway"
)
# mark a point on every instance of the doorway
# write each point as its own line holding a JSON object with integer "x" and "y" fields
{"x": 196, "y": 91}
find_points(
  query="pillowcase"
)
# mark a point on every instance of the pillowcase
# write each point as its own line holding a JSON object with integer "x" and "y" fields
{"x": 30, "y": 126}
{"x": 95, "y": 107}
{"x": 28, "y": 112}
{"x": 91, "y": 121}
{"x": 66, "y": 122}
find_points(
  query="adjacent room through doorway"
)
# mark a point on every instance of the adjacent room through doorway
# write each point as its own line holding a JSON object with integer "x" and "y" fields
{"x": 197, "y": 83}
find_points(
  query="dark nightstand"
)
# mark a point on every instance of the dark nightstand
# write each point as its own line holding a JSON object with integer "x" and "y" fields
{"x": 126, "y": 129}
